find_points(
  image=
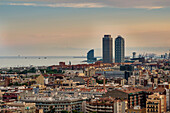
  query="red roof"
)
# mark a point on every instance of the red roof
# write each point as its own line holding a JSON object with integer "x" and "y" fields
{"x": 83, "y": 89}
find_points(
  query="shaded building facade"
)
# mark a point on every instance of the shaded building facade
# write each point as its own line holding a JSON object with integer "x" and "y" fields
{"x": 119, "y": 50}
{"x": 90, "y": 55}
{"x": 106, "y": 105}
{"x": 135, "y": 96}
{"x": 107, "y": 49}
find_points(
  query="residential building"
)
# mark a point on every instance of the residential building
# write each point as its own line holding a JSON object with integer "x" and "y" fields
{"x": 10, "y": 96}
{"x": 90, "y": 71}
{"x": 132, "y": 80}
{"x": 135, "y": 96}
{"x": 137, "y": 109}
{"x": 106, "y": 105}
{"x": 156, "y": 103}
{"x": 25, "y": 107}
{"x": 58, "y": 104}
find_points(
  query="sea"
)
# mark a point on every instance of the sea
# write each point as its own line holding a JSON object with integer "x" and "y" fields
{"x": 25, "y": 61}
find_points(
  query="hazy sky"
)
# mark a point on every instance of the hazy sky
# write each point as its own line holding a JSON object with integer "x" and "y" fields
{"x": 72, "y": 27}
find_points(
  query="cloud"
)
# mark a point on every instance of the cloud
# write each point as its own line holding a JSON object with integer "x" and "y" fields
{"x": 22, "y": 4}
{"x": 145, "y": 4}
{"x": 150, "y": 7}
{"x": 73, "y": 5}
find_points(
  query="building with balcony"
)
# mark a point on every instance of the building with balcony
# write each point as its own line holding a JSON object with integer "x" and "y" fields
{"x": 135, "y": 96}
{"x": 58, "y": 104}
{"x": 106, "y": 105}
{"x": 156, "y": 103}
{"x": 137, "y": 109}
{"x": 10, "y": 96}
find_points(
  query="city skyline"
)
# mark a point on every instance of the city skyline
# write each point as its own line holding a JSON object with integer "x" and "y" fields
{"x": 71, "y": 28}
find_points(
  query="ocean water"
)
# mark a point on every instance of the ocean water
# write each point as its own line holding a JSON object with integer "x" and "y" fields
{"x": 37, "y": 61}
{"x": 19, "y": 61}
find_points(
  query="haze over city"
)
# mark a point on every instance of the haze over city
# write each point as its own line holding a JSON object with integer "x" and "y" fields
{"x": 68, "y": 28}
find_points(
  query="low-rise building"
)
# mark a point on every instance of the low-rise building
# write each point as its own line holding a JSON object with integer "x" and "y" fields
{"x": 10, "y": 96}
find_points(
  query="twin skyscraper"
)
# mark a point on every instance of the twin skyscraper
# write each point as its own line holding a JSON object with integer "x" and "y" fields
{"x": 108, "y": 49}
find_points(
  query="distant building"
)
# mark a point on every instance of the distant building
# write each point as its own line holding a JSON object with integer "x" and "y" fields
{"x": 40, "y": 80}
{"x": 107, "y": 49}
{"x": 132, "y": 80}
{"x": 10, "y": 96}
{"x": 89, "y": 72}
{"x": 112, "y": 74}
{"x": 126, "y": 68}
{"x": 17, "y": 107}
{"x": 134, "y": 54}
{"x": 140, "y": 59}
{"x": 25, "y": 107}
{"x": 162, "y": 56}
{"x": 90, "y": 55}
{"x": 166, "y": 55}
{"x": 119, "y": 50}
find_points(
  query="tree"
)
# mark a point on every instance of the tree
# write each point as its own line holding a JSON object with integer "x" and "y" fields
{"x": 10, "y": 84}
{"x": 26, "y": 84}
{"x": 32, "y": 70}
{"x": 52, "y": 109}
{"x": 64, "y": 111}
{"x": 100, "y": 81}
{"x": 16, "y": 84}
{"x": 24, "y": 72}
{"x": 74, "y": 111}
{"x": 59, "y": 71}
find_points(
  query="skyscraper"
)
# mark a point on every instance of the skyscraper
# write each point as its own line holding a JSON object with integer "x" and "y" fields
{"x": 90, "y": 55}
{"x": 107, "y": 49}
{"x": 119, "y": 50}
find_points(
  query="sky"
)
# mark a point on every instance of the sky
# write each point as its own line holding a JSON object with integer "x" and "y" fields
{"x": 72, "y": 27}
